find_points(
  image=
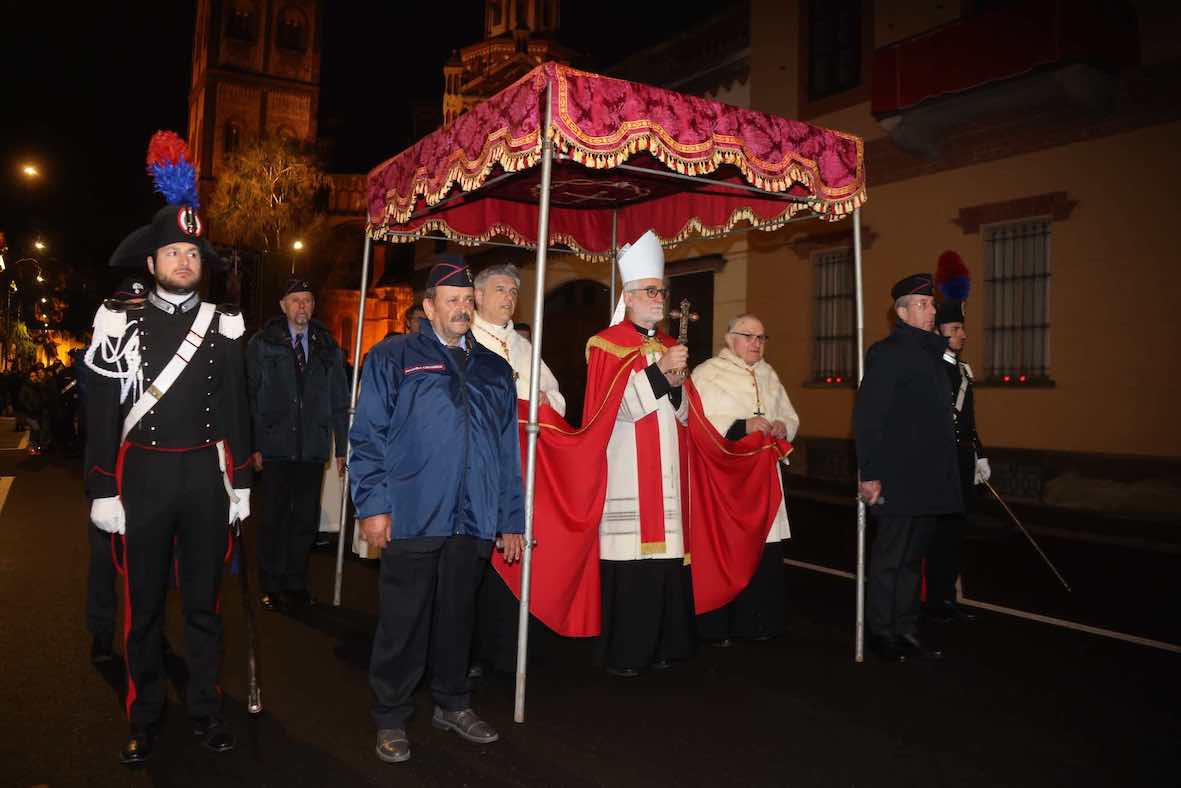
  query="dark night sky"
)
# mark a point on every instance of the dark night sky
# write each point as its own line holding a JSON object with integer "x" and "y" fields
{"x": 84, "y": 90}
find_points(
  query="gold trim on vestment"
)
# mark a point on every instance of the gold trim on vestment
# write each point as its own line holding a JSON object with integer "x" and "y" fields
{"x": 619, "y": 351}
{"x": 623, "y": 367}
{"x": 652, "y": 548}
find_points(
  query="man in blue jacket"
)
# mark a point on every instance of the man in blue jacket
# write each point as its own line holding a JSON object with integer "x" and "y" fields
{"x": 436, "y": 475}
{"x": 300, "y": 406}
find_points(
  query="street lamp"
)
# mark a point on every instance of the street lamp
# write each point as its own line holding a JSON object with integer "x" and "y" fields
{"x": 296, "y": 246}
{"x": 29, "y": 170}
{"x": 39, "y": 245}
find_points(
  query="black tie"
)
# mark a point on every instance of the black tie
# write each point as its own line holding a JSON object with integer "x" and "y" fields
{"x": 300, "y": 358}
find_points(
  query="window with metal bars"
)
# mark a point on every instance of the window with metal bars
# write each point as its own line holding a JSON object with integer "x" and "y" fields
{"x": 1017, "y": 321}
{"x": 834, "y": 359}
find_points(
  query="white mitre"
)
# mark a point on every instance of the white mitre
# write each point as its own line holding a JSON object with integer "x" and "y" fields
{"x": 642, "y": 260}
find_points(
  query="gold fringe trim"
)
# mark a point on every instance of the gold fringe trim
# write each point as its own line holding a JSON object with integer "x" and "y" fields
{"x": 693, "y": 227}
{"x": 652, "y": 548}
{"x": 687, "y": 560}
{"x": 517, "y": 154}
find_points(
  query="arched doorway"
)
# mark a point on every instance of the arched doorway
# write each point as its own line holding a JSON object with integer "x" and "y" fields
{"x": 574, "y": 312}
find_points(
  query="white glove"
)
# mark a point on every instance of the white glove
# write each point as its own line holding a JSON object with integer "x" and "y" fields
{"x": 107, "y": 515}
{"x": 983, "y": 470}
{"x": 241, "y": 509}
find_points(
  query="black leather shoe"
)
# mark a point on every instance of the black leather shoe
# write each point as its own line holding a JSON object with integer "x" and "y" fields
{"x": 139, "y": 748}
{"x": 887, "y": 649}
{"x": 101, "y": 648}
{"x": 623, "y": 673}
{"x": 214, "y": 733}
{"x": 662, "y": 664}
{"x": 723, "y": 643}
{"x": 947, "y": 613}
{"x": 298, "y": 599}
{"x": 914, "y": 648}
{"x": 476, "y": 671}
{"x": 270, "y": 602}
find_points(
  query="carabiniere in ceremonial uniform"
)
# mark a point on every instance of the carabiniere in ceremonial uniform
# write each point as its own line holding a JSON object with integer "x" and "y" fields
{"x": 167, "y": 463}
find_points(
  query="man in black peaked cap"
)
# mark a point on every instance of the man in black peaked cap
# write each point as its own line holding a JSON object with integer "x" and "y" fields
{"x": 906, "y": 457}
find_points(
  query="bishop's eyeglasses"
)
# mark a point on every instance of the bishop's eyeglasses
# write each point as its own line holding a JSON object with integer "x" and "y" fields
{"x": 652, "y": 292}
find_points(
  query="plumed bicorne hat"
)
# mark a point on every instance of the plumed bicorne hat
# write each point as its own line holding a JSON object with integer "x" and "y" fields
{"x": 953, "y": 280}
{"x": 175, "y": 178}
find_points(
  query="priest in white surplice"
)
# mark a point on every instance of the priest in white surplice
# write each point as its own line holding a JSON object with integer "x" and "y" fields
{"x": 740, "y": 394}
{"x": 497, "y": 289}
{"x": 646, "y": 592}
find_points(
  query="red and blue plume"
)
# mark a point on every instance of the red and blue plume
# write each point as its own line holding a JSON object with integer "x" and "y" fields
{"x": 952, "y": 277}
{"x": 172, "y": 170}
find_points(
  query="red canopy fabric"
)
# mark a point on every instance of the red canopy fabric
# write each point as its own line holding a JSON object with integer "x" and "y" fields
{"x": 476, "y": 178}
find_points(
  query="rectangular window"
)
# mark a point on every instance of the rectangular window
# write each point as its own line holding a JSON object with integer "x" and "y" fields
{"x": 834, "y": 47}
{"x": 834, "y": 355}
{"x": 1017, "y": 322}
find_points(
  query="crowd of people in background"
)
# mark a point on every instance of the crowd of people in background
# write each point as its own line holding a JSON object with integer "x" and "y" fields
{"x": 45, "y": 401}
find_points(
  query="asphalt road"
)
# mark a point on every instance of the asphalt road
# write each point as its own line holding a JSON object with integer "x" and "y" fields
{"x": 1016, "y": 703}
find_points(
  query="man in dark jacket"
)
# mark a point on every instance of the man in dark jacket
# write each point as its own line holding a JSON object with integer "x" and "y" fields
{"x": 436, "y": 475}
{"x": 299, "y": 400}
{"x": 906, "y": 456}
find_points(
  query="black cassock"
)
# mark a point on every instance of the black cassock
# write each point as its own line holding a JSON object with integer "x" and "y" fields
{"x": 168, "y": 476}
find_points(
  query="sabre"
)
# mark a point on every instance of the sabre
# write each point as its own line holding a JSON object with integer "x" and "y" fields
{"x": 1028, "y": 536}
{"x": 253, "y": 693}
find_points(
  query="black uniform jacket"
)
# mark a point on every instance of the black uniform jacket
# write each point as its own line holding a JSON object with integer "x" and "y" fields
{"x": 206, "y": 404}
{"x": 967, "y": 441}
{"x": 904, "y": 425}
{"x": 296, "y": 416}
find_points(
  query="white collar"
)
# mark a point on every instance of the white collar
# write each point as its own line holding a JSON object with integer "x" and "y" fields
{"x": 950, "y": 357}
{"x": 503, "y": 332}
{"x": 729, "y": 355}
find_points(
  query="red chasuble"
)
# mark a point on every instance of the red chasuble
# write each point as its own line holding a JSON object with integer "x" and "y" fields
{"x": 732, "y": 489}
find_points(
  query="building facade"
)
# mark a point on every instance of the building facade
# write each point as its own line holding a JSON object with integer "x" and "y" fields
{"x": 1033, "y": 139}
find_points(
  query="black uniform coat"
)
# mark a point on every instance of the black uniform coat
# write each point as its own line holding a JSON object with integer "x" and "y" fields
{"x": 206, "y": 404}
{"x": 967, "y": 441}
{"x": 296, "y": 416}
{"x": 904, "y": 425}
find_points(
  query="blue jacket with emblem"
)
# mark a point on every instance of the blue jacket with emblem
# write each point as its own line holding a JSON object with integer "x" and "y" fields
{"x": 435, "y": 445}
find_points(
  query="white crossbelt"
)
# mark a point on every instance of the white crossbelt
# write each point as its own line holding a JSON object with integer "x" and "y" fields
{"x": 172, "y": 370}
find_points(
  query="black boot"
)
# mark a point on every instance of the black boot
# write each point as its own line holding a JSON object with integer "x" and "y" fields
{"x": 214, "y": 734}
{"x": 914, "y": 648}
{"x": 885, "y": 648}
{"x": 139, "y": 747}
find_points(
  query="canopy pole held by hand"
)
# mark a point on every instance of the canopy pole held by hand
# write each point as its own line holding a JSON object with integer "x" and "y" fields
{"x": 859, "y": 637}
{"x": 532, "y": 429}
{"x": 344, "y": 491}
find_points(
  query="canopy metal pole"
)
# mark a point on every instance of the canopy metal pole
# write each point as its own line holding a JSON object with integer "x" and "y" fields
{"x": 614, "y": 252}
{"x": 344, "y": 491}
{"x": 532, "y": 429}
{"x": 859, "y": 644}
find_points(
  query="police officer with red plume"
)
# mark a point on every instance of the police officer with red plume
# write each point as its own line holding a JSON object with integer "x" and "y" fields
{"x": 944, "y": 555}
{"x": 167, "y": 455}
